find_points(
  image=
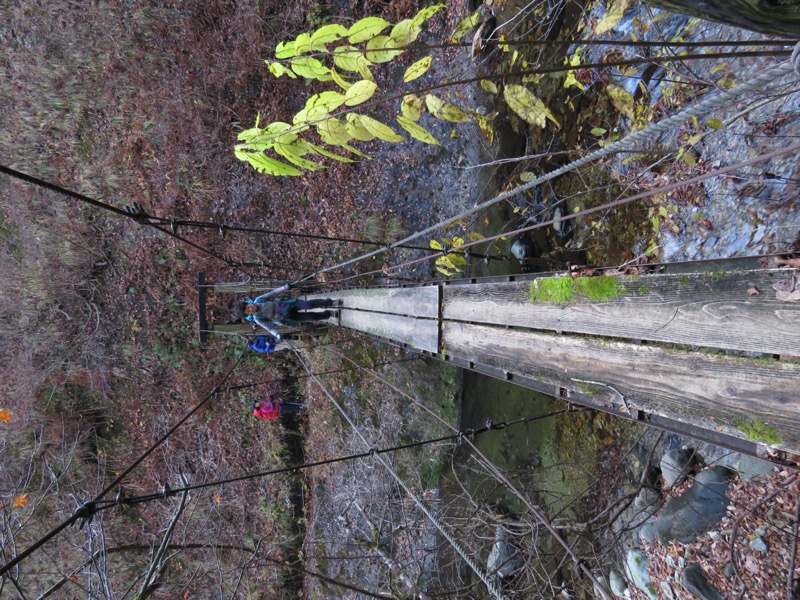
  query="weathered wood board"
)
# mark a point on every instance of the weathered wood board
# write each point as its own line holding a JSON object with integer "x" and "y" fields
{"x": 414, "y": 302}
{"x": 707, "y": 390}
{"x": 704, "y": 309}
{"x": 420, "y": 334}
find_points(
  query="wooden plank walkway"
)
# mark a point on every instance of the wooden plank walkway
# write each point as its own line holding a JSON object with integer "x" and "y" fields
{"x": 555, "y": 336}
{"x": 713, "y": 310}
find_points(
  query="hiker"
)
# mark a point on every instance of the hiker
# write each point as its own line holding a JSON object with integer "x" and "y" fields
{"x": 263, "y": 311}
{"x": 262, "y": 343}
{"x": 272, "y": 407}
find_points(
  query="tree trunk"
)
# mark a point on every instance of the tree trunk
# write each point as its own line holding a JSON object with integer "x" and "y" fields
{"x": 778, "y": 17}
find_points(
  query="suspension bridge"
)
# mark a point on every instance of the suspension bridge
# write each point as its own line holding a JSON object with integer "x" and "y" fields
{"x": 708, "y": 350}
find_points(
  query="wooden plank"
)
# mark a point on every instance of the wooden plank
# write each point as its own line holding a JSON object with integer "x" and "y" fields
{"x": 701, "y": 309}
{"x": 421, "y": 334}
{"x": 414, "y": 302}
{"x": 707, "y": 390}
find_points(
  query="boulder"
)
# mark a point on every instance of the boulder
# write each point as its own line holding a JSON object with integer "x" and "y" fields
{"x": 688, "y": 516}
{"x": 694, "y": 580}
{"x": 676, "y": 464}
{"x": 636, "y": 567}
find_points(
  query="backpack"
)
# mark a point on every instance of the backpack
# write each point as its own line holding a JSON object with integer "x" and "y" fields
{"x": 263, "y": 344}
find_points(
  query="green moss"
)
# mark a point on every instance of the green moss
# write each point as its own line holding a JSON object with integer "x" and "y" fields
{"x": 552, "y": 289}
{"x": 717, "y": 276}
{"x": 599, "y": 289}
{"x": 561, "y": 290}
{"x": 684, "y": 280}
{"x": 644, "y": 290}
{"x": 758, "y": 431}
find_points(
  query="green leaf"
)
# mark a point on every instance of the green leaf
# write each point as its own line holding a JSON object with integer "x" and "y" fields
{"x": 345, "y": 57}
{"x": 268, "y": 165}
{"x": 302, "y": 44}
{"x": 360, "y": 92}
{"x": 356, "y": 129}
{"x": 418, "y": 69}
{"x": 426, "y": 13}
{"x": 327, "y": 34}
{"x": 527, "y": 176}
{"x": 285, "y": 50}
{"x": 330, "y": 100}
{"x": 294, "y": 154}
{"x": 278, "y": 69}
{"x": 435, "y": 245}
{"x": 464, "y": 25}
{"x": 276, "y": 131}
{"x": 332, "y": 131}
{"x": 622, "y": 100}
{"x": 416, "y": 131}
{"x": 598, "y": 131}
{"x": 411, "y": 107}
{"x": 405, "y": 33}
{"x": 441, "y": 109}
{"x": 366, "y": 29}
{"x": 532, "y": 110}
{"x": 489, "y": 86}
{"x": 380, "y": 130}
{"x": 310, "y": 68}
{"x": 340, "y": 81}
{"x": 715, "y": 124}
{"x": 329, "y": 154}
{"x": 612, "y": 16}
{"x": 381, "y": 49}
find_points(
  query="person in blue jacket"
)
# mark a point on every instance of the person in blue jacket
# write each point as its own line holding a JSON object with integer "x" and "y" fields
{"x": 265, "y": 311}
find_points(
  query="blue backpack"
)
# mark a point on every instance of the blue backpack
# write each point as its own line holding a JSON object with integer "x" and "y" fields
{"x": 263, "y": 344}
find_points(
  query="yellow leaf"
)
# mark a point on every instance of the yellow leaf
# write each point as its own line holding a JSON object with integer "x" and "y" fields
{"x": 485, "y": 123}
{"x": 356, "y": 129}
{"x": 435, "y": 245}
{"x": 442, "y": 109}
{"x": 310, "y": 68}
{"x": 418, "y": 69}
{"x": 285, "y": 50}
{"x": 405, "y": 33}
{"x": 380, "y": 130}
{"x": 330, "y": 100}
{"x": 612, "y": 16}
{"x": 327, "y": 34}
{"x": 570, "y": 79}
{"x": 489, "y": 86}
{"x": 302, "y": 44}
{"x": 366, "y": 29}
{"x": 412, "y": 106}
{"x": 465, "y": 25}
{"x": 20, "y": 501}
{"x": 416, "y": 131}
{"x": 622, "y": 100}
{"x": 346, "y": 57}
{"x": 426, "y": 13}
{"x": 5, "y": 416}
{"x": 359, "y": 92}
{"x": 278, "y": 69}
{"x": 340, "y": 81}
{"x": 381, "y": 49}
{"x": 332, "y": 131}
{"x": 527, "y": 106}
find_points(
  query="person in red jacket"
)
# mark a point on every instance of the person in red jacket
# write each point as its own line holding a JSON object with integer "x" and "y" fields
{"x": 272, "y": 407}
